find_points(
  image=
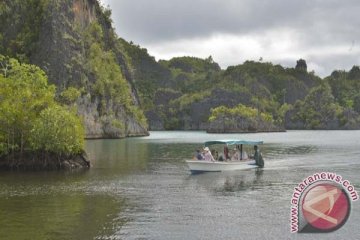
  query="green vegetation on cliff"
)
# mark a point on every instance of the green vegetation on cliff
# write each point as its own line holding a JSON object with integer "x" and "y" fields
{"x": 345, "y": 87}
{"x": 74, "y": 42}
{"x": 319, "y": 109}
{"x": 201, "y": 86}
{"x": 241, "y": 111}
{"x": 25, "y": 18}
{"x": 186, "y": 98}
{"x": 110, "y": 83}
{"x": 240, "y": 119}
{"x": 148, "y": 74}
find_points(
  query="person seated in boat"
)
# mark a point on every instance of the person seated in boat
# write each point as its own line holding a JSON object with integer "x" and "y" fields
{"x": 236, "y": 155}
{"x": 258, "y": 157}
{"x": 207, "y": 155}
{"x": 243, "y": 156}
{"x": 198, "y": 155}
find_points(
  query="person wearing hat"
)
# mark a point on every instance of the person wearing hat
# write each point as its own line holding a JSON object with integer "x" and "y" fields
{"x": 207, "y": 155}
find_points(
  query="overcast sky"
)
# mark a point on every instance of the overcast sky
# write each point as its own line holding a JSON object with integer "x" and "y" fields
{"x": 326, "y": 33}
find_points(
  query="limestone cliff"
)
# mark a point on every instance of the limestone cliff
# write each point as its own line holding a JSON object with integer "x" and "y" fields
{"x": 75, "y": 43}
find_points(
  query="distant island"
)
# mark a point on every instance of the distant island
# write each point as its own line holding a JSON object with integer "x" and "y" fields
{"x": 189, "y": 93}
{"x": 123, "y": 91}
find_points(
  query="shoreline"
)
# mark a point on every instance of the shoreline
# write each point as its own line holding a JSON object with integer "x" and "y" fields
{"x": 36, "y": 161}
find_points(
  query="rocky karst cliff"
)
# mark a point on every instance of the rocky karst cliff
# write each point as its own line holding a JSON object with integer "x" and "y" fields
{"x": 182, "y": 92}
{"x": 74, "y": 42}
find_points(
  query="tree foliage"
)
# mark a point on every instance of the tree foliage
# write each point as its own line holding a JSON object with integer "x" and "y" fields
{"x": 239, "y": 111}
{"x": 345, "y": 87}
{"x": 319, "y": 109}
{"x": 69, "y": 96}
{"x": 240, "y": 118}
{"x": 30, "y": 118}
{"x": 193, "y": 64}
{"x": 57, "y": 130}
{"x": 25, "y": 18}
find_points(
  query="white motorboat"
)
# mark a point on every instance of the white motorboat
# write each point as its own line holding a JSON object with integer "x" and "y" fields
{"x": 197, "y": 166}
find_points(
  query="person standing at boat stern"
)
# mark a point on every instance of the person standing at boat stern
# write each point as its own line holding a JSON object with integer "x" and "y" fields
{"x": 258, "y": 157}
{"x": 207, "y": 155}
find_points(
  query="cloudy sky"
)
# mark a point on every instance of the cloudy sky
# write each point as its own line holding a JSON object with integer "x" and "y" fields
{"x": 326, "y": 33}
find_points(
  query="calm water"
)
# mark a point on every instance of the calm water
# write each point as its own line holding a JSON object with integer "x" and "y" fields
{"x": 140, "y": 188}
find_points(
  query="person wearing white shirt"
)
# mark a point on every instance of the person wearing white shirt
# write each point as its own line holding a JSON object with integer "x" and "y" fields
{"x": 207, "y": 155}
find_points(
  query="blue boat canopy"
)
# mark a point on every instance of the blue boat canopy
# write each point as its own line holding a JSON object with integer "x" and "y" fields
{"x": 233, "y": 142}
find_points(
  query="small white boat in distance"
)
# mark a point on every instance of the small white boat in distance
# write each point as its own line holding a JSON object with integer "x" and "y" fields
{"x": 198, "y": 166}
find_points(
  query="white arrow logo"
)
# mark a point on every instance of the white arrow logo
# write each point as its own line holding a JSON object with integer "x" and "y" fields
{"x": 330, "y": 195}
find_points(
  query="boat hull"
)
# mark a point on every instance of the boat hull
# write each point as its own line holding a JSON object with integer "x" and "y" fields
{"x": 197, "y": 166}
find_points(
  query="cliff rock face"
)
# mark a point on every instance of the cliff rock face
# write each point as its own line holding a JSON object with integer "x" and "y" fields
{"x": 74, "y": 42}
{"x": 97, "y": 126}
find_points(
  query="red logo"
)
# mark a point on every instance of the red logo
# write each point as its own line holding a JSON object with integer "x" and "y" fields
{"x": 326, "y": 207}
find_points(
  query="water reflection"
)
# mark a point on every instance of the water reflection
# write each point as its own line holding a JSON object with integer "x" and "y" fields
{"x": 226, "y": 183}
{"x": 59, "y": 216}
{"x": 123, "y": 156}
{"x": 241, "y": 183}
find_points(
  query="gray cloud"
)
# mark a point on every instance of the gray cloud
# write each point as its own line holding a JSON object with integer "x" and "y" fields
{"x": 164, "y": 20}
{"x": 320, "y": 28}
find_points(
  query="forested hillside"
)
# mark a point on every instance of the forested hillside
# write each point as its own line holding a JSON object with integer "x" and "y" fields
{"x": 192, "y": 93}
{"x": 121, "y": 90}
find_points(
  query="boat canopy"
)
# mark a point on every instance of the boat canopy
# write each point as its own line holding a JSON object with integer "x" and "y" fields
{"x": 233, "y": 142}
